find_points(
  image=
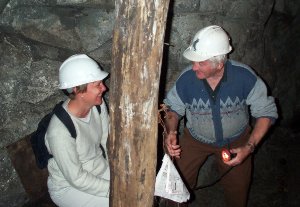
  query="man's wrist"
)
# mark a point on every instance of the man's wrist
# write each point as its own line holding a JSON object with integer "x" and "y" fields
{"x": 251, "y": 146}
{"x": 172, "y": 132}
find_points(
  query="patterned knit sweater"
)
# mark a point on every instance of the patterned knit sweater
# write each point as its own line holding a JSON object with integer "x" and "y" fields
{"x": 220, "y": 116}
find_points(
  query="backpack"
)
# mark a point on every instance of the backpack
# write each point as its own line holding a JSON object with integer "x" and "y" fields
{"x": 37, "y": 139}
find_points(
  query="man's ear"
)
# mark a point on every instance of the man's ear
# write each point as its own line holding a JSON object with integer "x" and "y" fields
{"x": 221, "y": 65}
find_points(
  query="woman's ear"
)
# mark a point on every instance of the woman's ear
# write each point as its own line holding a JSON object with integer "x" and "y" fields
{"x": 69, "y": 90}
{"x": 75, "y": 90}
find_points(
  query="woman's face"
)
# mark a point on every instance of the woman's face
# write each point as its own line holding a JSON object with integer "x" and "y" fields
{"x": 94, "y": 92}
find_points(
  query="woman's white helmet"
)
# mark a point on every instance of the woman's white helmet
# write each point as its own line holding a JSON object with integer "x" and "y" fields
{"x": 79, "y": 69}
{"x": 208, "y": 42}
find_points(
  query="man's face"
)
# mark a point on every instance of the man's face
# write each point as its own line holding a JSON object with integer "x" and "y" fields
{"x": 205, "y": 69}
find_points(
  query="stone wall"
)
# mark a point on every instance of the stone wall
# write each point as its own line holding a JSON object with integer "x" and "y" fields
{"x": 37, "y": 35}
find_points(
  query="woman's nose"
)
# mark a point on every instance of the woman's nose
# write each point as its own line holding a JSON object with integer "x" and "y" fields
{"x": 103, "y": 87}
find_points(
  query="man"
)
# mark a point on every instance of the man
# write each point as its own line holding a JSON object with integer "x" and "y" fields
{"x": 214, "y": 94}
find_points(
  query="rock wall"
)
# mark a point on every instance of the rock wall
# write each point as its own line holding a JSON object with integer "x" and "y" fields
{"x": 37, "y": 35}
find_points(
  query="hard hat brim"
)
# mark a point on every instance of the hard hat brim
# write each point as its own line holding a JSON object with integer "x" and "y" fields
{"x": 79, "y": 69}
{"x": 102, "y": 75}
{"x": 191, "y": 55}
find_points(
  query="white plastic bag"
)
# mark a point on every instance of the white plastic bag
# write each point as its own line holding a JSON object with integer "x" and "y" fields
{"x": 169, "y": 184}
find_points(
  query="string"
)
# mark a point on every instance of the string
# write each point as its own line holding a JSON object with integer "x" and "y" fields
{"x": 163, "y": 110}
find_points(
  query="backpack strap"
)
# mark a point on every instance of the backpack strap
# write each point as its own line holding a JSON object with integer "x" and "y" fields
{"x": 98, "y": 108}
{"x": 65, "y": 118}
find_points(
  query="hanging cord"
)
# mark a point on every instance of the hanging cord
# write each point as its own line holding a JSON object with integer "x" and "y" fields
{"x": 164, "y": 109}
{"x": 162, "y": 114}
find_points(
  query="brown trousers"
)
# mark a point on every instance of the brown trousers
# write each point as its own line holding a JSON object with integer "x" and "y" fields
{"x": 235, "y": 183}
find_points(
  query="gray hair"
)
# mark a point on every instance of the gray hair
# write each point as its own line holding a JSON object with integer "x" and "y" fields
{"x": 216, "y": 60}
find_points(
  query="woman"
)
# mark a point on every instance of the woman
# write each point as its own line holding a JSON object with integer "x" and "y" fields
{"x": 79, "y": 172}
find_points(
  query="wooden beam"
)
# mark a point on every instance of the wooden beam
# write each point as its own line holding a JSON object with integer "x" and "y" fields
{"x": 136, "y": 61}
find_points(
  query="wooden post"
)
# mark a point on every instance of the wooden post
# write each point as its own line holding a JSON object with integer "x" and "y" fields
{"x": 136, "y": 61}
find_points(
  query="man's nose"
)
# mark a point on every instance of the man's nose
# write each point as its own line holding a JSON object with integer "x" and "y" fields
{"x": 195, "y": 66}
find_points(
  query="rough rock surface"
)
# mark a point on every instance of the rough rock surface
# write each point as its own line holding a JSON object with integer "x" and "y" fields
{"x": 37, "y": 35}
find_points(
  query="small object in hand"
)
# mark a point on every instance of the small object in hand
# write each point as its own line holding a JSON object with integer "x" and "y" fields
{"x": 226, "y": 155}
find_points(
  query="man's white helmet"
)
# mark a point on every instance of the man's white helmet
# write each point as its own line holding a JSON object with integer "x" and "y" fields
{"x": 79, "y": 69}
{"x": 208, "y": 42}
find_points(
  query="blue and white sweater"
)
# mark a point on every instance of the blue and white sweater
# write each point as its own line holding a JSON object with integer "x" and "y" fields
{"x": 219, "y": 117}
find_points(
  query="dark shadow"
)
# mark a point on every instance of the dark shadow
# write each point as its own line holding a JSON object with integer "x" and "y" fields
{"x": 33, "y": 179}
{"x": 163, "y": 78}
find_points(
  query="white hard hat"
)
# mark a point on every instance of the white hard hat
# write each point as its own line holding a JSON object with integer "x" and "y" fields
{"x": 208, "y": 42}
{"x": 79, "y": 69}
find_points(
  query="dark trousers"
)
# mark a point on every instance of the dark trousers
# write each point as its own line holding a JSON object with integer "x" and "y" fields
{"x": 235, "y": 183}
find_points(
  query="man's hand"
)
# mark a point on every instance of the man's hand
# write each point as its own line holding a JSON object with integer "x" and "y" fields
{"x": 241, "y": 154}
{"x": 171, "y": 144}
